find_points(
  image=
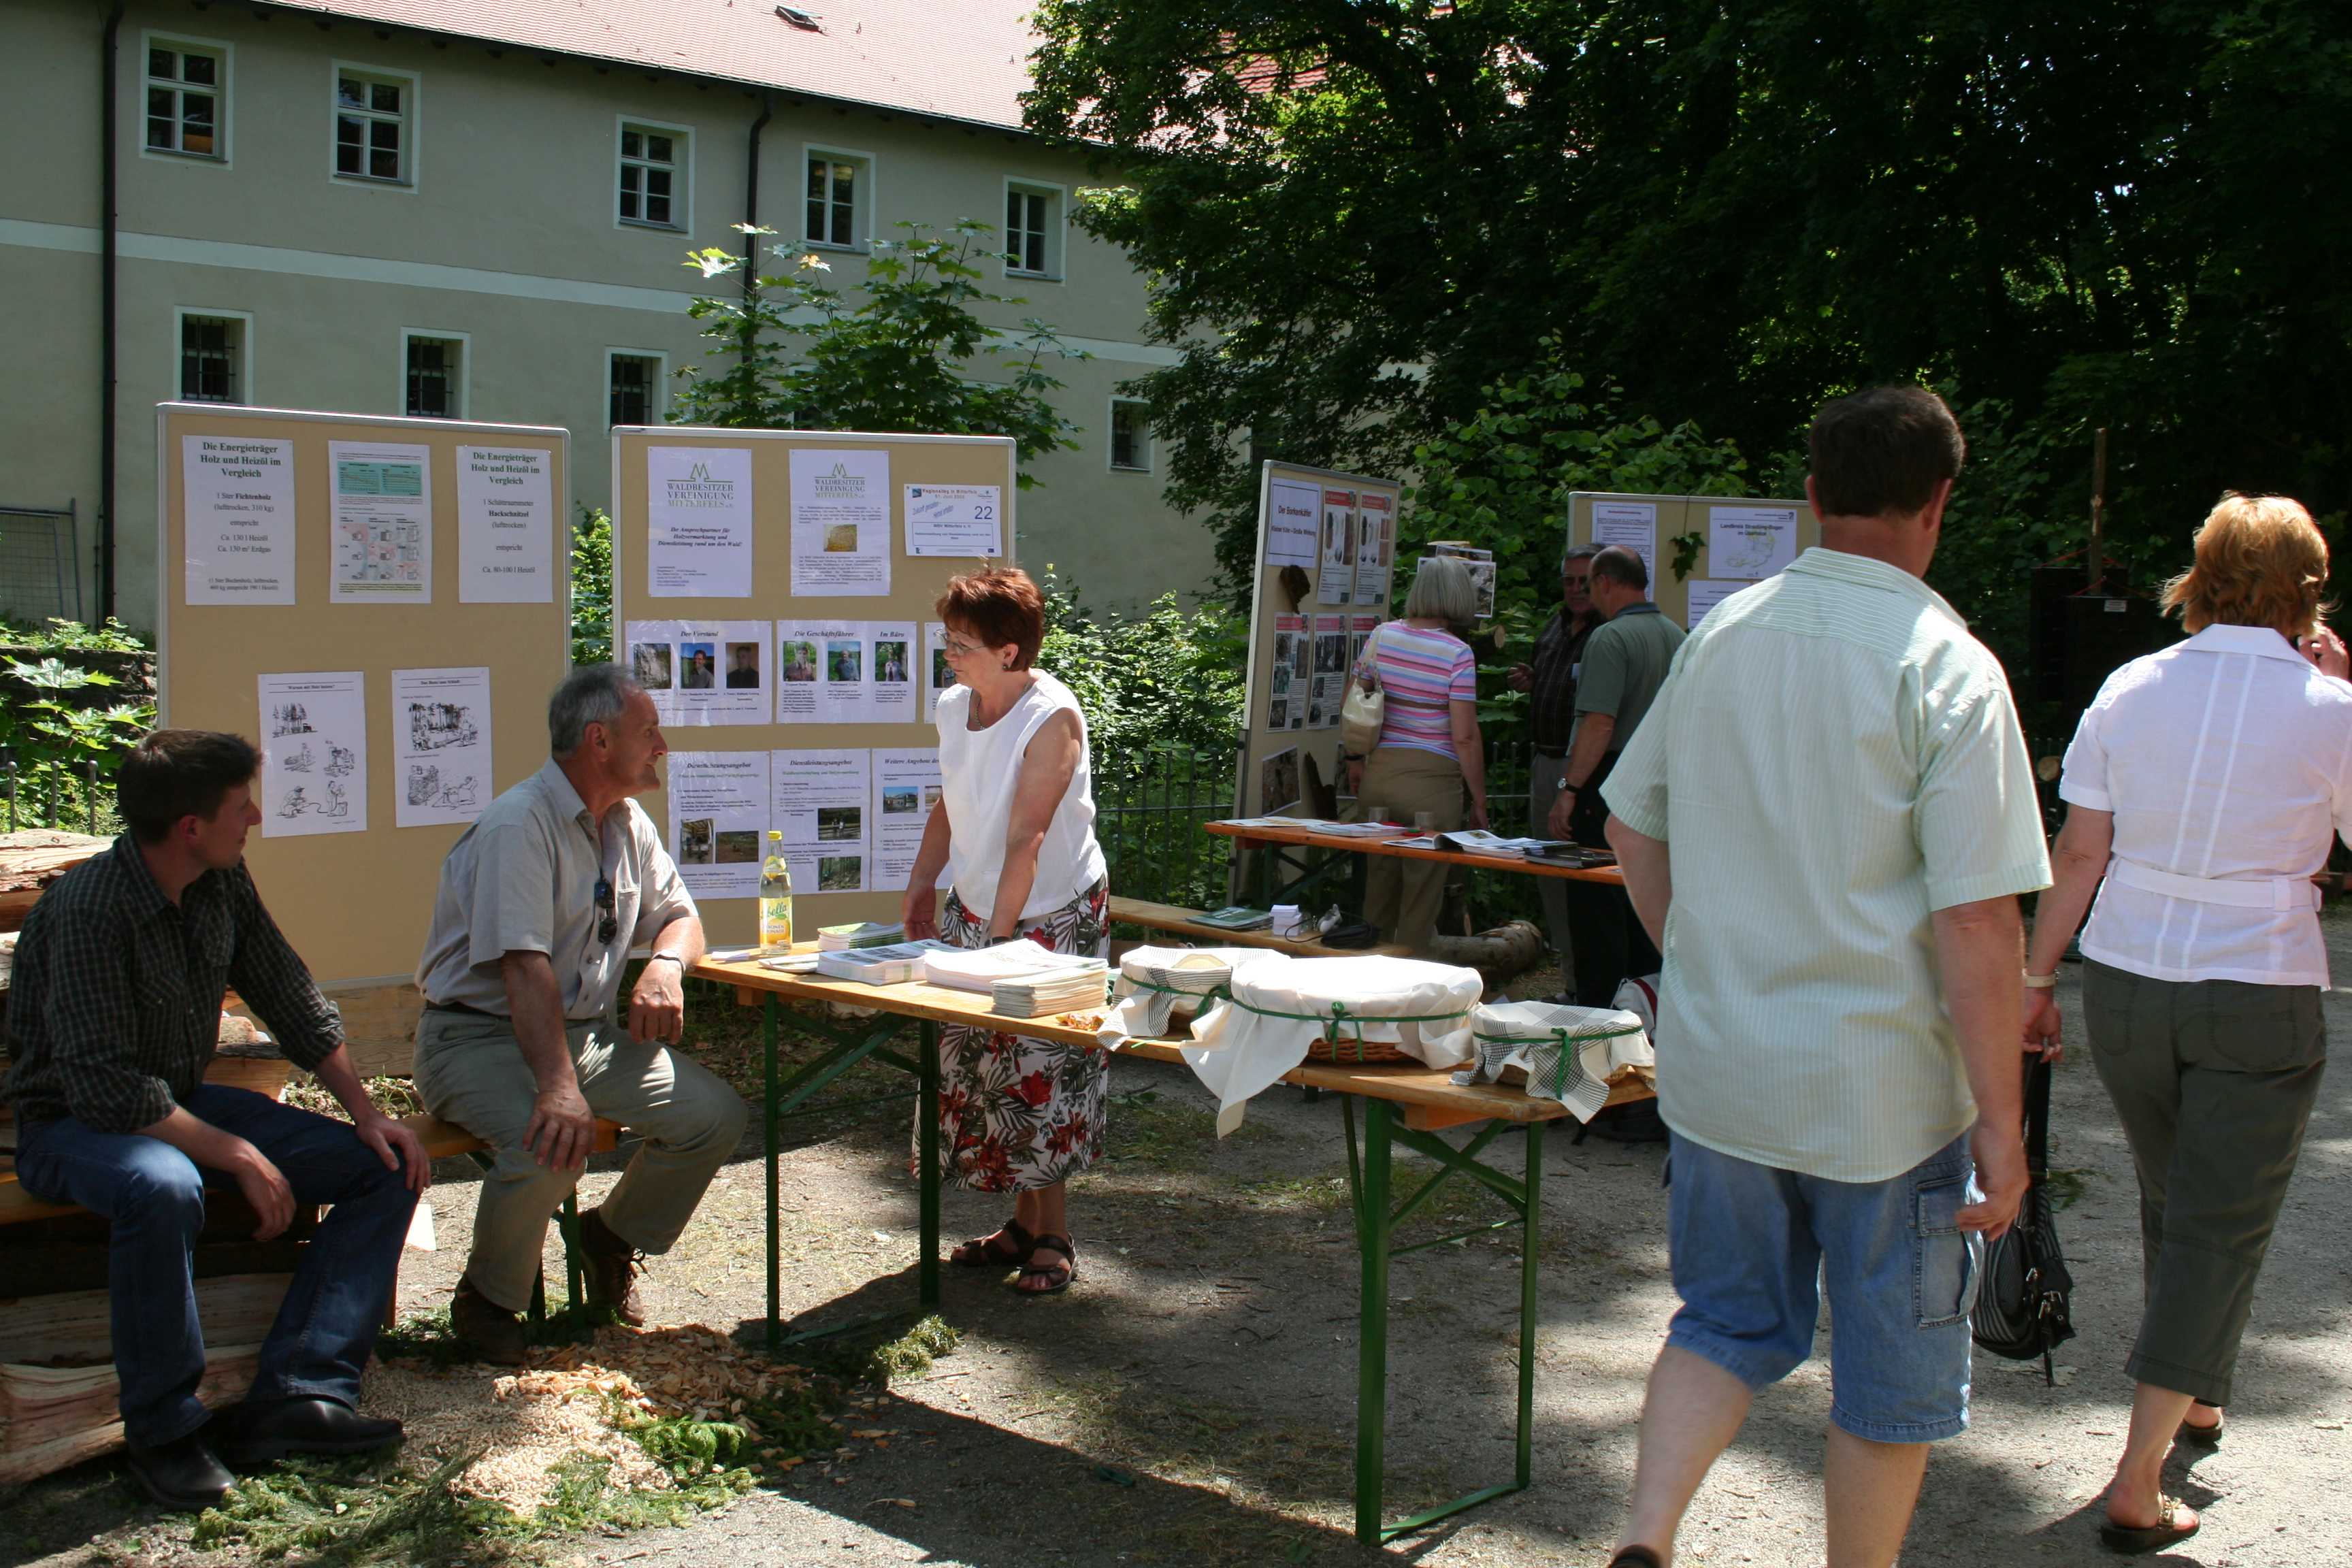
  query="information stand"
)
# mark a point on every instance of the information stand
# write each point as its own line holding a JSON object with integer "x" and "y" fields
{"x": 1739, "y": 541}
{"x": 767, "y": 590}
{"x": 381, "y": 605}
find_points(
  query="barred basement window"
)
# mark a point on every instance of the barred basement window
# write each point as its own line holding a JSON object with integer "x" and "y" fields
{"x": 635, "y": 388}
{"x": 435, "y": 377}
{"x": 1131, "y": 435}
{"x": 211, "y": 359}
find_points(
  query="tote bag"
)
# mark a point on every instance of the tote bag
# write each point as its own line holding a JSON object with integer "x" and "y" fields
{"x": 1366, "y": 709}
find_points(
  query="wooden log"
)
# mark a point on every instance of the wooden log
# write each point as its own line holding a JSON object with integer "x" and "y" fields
{"x": 51, "y": 1418}
{"x": 31, "y": 861}
{"x": 71, "y": 1328}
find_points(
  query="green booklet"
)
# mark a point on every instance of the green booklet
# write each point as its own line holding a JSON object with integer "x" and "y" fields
{"x": 1234, "y": 917}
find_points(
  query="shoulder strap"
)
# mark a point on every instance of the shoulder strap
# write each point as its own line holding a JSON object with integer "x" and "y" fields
{"x": 2037, "y": 1120}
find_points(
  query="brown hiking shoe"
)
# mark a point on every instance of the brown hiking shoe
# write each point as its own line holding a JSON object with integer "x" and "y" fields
{"x": 610, "y": 1267}
{"x": 491, "y": 1332}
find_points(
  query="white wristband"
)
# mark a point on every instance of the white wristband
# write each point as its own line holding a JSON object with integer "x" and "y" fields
{"x": 2042, "y": 981}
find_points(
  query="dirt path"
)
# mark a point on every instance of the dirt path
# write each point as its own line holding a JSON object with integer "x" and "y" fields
{"x": 1193, "y": 1399}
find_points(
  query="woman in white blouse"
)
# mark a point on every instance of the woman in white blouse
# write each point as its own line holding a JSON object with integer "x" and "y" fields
{"x": 2205, "y": 784}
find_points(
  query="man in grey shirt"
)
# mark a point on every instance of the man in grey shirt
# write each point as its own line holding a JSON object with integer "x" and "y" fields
{"x": 539, "y": 903}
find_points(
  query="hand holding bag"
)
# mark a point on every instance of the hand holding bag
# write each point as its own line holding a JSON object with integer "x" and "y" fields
{"x": 2021, "y": 1309}
{"x": 1367, "y": 707}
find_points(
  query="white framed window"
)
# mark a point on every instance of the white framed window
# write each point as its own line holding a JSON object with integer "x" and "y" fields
{"x": 376, "y": 115}
{"x": 434, "y": 368}
{"x": 215, "y": 362}
{"x": 636, "y": 385}
{"x": 1033, "y": 229}
{"x": 1131, "y": 435}
{"x": 655, "y": 187}
{"x": 187, "y": 98}
{"x": 839, "y": 208}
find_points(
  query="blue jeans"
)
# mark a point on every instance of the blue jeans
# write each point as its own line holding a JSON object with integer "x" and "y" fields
{"x": 1752, "y": 1246}
{"x": 155, "y": 1197}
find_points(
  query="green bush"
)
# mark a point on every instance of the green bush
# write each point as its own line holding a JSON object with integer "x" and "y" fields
{"x": 57, "y": 721}
{"x": 591, "y": 587}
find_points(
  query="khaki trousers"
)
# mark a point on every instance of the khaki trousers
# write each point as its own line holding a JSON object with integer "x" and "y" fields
{"x": 470, "y": 1071}
{"x": 1402, "y": 896}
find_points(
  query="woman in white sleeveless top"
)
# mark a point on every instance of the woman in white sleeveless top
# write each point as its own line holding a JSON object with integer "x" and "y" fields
{"x": 1014, "y": 830}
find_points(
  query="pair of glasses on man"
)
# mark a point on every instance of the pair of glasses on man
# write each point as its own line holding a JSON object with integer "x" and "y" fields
{"x": 609, "y": 926}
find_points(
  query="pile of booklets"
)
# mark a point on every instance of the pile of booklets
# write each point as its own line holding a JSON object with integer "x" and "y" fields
{"x": 1021, "y": 979}
{"x": 886, "y": 966}
{"x": 1035, "y": 995}
{"x": 1234, "y": 917}
{"x": 865, "y": 934}
{"x": 1477, "y": 841}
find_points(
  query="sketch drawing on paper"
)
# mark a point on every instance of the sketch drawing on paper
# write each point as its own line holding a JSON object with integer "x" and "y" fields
{"x": 289, "y": 719}
{"x": 341, "y": 763}
{"x": 338, "y": 802}
{"x": 301, "y": 762}
{"x": 460, "y": 795}
{"x": 433, "y": 725}
{"x": 293, "y": 805}
{"x": 425, "y": 788}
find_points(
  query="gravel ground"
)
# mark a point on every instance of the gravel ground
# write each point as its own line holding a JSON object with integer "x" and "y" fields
{"x": 1193, "y": 1399}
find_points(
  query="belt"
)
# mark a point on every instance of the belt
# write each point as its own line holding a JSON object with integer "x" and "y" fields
{"x": 1558, "y": 756}
{"x": 2280, "y": 893}
{"x": 465, "y": 1008}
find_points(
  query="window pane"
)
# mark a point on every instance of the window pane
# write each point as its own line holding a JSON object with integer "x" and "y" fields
{"x": 197, "y": 69}
{"x": 348, "y": 131}
{"x": 384, "y": 133}
{"x": 657, "y": 147}
{"x": 350, "y": 93}
{"x": 628, "y": 203}
{"x": 657, "y": 209}
{"x": 384, "y": 97}
{"x": 816, "y": 184}
{"x": 347, "y": 147}
{"x": 657, "y": 182}
{"x": 1033, "y": 252}
{"x": 383, "y": 166}
{"x": 845, "y": 228}
{"x": 160, "y": 116}
{"x": 1012, "y": 213}
{"x": 629, "y": 174}
{"x": 845, "y": 182}
{"x": 161, "y": 63}
{"x": 196, "y": 123}
{"x": 632, "y": 144}
{"x": 159, "y": 133}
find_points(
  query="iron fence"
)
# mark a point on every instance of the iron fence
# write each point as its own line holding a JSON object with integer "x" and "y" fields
{"x": 72, "y": 798}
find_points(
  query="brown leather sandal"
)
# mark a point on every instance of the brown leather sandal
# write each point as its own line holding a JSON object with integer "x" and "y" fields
{"x": 996, "y": 1251}
{"x": 1057, "y": 1276}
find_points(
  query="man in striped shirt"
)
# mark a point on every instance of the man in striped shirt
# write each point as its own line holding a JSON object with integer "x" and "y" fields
{"x": 1835, "y": 768}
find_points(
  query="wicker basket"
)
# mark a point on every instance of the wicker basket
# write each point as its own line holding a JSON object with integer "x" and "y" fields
{"x": 1355, "y": 1053}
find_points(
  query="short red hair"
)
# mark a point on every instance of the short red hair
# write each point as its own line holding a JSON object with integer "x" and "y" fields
{"x": 998, "y": 605}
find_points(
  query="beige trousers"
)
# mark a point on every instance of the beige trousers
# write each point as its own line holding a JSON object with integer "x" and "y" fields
{"x": 470, "y": 1071}
{"x": 1402, "y": 896}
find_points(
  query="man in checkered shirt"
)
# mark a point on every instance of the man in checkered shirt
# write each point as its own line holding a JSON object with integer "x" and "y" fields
{"x": 120, "y": 974}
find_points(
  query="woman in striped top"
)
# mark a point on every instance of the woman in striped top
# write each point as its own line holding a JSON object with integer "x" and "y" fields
{"x": 1430, "y": 757}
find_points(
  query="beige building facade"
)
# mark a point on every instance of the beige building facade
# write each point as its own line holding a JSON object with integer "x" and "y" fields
{"x": 403, "y": 207}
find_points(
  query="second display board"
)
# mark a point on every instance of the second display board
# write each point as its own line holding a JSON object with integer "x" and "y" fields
{"x": 773, "y": 591}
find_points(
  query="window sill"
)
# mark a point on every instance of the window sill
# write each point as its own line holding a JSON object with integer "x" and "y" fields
{"x": 376, "y": 180}
{"x": 1127, "y": 468}
{"x": 643, "y": 224}
{"x": 179, "y": 156}
{"x": 837, "y": 249}
{"x": 1032, "y": 276}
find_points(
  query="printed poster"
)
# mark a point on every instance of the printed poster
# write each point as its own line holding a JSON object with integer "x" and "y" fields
{"x": 1634, "y": 525}
{"x": 890, "y": 656}
{"x": 938, "y": 676}
{"x": 698, "y": 523}
{"x": 440, "y": 746}
{"x": 1277, "y": 782}
{"x": 506, "y": 525}
{"x": 1294, "y": 521}
{"x": 1375, "y": 547}
{"x": 380, "y": 531}
{"x": 1750, "y": 541}
{"x": 1359, "y": 632}
{"x": 238, "y": 519}
{"x": 906, "y": 788}
{"x": 718, "y": 804}
{"x": 1302, "y": 672}
{"x": 1336, "y": 553}
{"x": 1282, "y": 687}
{"x": 313, "y": 755}
{"x": 841, "y": 523}
{"x": 1330, "y": 688}
{"x": 1706, "y": 594}
{"x": 702, "y": 672}
{"x": 955, "y": 520}
{"x": 820, "y": 800}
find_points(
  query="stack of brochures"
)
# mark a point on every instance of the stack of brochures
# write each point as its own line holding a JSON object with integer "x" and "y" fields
{"x": 1477, "y": 841}
{"x": 1055, "y": 991}
{"x": 865, "y": 934}
{"x": 1574, "y": 857}
{"x": 1234, "y": 917}
{"x": 1350, "y": 829}
{"x": 879, "y": 965}
{"x": 979, "y": 969}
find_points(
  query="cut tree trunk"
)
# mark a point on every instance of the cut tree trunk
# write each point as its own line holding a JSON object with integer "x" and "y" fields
{"x": 32, "y": 859}
{"x": 51, "y": 1418}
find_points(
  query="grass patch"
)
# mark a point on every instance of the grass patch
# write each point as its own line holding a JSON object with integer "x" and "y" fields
{"x": 394, "y": 1097}
{"x": 912, "y": 1352}
{"x": 2066, "y": 1187}
{"x": 1166, "y": 1135}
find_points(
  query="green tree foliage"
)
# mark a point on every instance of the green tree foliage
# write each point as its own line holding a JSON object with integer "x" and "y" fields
{"x": 591, "y": 587}
{"x": 2120, "y": 213}
{"x": 908, "y": 358}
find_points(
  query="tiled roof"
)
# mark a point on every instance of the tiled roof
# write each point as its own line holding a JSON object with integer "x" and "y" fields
{"x": 958, "y": 59}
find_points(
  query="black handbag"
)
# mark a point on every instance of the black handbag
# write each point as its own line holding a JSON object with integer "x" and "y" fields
{"x": 2021, "y": 1308}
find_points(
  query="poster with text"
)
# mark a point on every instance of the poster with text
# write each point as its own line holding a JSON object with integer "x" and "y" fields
{"x": 955, "y": 520}
{"x": 938, "y": 675}
{"x": 820, "y": 800}
{"x": 719, "y": 807}
{"x": 1706, "y": 594}
{"x": 891, "y": 659}
{"x": 1280, "y": 684}
{"x": 1336, "y": 575}
{"x": 506, "y": 525}
{"x": 238, "y": 523}
{"x": 1375, "y": 547}
{"x": 1293, "y": 523}
{"x": 1302, "y": 672}
{"x": 1750, "y": 541}
{"x": 841, "y": 523}
{"x": 698, "y": 523}
{"x": 440, "y": 746}
{"x": 1359, "y": 632}
{"x": 313, "y": 755}
{"x": 1632, "y": 525}
{"x": 380, "y": 527}
{"x": 1330, "y": 688}
{"x": 825, "y": 672}
{"x": 906, "y": 788}
{"x": 702, "y": 672}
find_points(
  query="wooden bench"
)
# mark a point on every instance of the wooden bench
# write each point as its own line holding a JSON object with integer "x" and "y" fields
{"x": 1179, "y": 921}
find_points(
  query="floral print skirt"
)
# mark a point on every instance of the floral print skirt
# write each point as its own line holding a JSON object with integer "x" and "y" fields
{"x": 1017, "y": 1112}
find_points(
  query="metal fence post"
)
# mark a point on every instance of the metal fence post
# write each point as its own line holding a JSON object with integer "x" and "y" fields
{"x": 8, "y": 764}
{"x": 90, "y": 792}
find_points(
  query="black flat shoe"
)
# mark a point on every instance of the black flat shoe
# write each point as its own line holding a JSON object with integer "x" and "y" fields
{"x": 183, "y": 1475}
{"x": 267, "y": 1434}
{"x": 2203, "y": 1436}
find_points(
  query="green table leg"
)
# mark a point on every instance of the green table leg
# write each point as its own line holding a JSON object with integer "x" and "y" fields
{"x": 1372, "y": 1327}
{"x": 1530, "y": 1242}
{"x": 775, "y": 1261}
{"x": 926, "y": 1137}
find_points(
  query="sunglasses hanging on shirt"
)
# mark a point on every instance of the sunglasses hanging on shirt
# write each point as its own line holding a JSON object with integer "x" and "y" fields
{"x": 609, "y": 925}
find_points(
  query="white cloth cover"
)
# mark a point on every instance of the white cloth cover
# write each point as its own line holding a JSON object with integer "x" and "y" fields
{"x": 1419, "y": 1008}
{"x": 1141, "y": 1002}
{"x": 1574, "y": 1071}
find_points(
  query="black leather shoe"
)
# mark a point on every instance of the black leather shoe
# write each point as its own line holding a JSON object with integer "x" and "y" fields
{"x": 181, "y": 1474}
{"x": 609, "y": 1268}
{"x": 491, "y": 1332}
{"x": 265, "y": 1434}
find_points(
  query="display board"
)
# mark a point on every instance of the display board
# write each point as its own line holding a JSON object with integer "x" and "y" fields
{"x": 1340, "y": 532}
{"x": 383, "y": 605}
{"x": 773, "y": 589}
{"x": 1739, "y": 541}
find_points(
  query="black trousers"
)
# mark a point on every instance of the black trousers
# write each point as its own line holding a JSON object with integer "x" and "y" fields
{"x": 1606, "y": 942}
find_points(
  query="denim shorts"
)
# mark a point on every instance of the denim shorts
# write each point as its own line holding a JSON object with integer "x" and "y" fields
{"x": 1753, "y": 1246}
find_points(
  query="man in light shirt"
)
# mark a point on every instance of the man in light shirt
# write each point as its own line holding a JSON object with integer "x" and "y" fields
{"x": 1835, "y": 765}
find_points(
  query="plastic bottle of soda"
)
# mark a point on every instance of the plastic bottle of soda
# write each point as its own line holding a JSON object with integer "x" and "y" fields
{"x": 775, "y": 898}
